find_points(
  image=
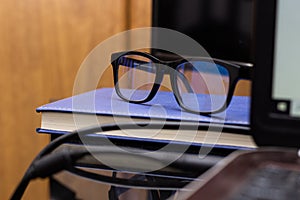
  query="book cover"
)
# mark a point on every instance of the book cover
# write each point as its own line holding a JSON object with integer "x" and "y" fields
{"x": 163, "y": 106}
{"x": 103, "y": 106}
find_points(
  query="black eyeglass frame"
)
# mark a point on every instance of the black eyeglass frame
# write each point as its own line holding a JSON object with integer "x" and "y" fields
{"x": 236, "y": 73}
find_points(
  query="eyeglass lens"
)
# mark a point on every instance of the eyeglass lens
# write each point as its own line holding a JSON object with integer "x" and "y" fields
{"x": 136, "y": 77}
{"x": 208, "y": 85}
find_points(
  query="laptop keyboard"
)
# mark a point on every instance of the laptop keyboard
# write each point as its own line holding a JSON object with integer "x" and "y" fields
{"x": 271, "y": 183}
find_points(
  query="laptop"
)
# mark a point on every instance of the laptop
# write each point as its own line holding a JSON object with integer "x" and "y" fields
{"x": 273, "y": 170}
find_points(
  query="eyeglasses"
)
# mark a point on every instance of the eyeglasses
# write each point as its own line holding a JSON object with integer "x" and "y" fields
{"x": 200, "y": 85}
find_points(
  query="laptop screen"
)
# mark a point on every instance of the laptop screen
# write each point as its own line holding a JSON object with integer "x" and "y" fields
{"x": 286, "y": 59}
{"x": 275, "y": 109}
{"x": 223, "y": 27}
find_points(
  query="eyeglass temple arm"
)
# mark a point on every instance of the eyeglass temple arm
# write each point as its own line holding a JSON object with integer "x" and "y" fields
{"x": 246, "y": 69}
{"x": 137, "y": 64}
{"x": 128, "y": 62}
{"x": 246, "y": 72}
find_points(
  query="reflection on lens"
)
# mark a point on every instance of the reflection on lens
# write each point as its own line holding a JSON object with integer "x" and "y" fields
{"x": 136, "y": 76}
{"x": 203, "y": 86}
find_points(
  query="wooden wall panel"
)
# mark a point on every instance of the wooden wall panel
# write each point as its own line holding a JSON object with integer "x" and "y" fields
{"x": 140, "y": 13}
{"x": 42, "y": 44}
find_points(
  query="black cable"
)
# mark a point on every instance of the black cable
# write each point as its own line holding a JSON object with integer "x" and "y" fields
{"x": 20, "y": 189}
{"x": 75, "y": 135}
{"x": 165, "y": 185}
{"x": 46, "y": 166}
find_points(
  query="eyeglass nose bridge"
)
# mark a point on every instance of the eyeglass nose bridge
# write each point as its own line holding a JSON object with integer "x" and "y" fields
{"x": 163, "y": 68}
{"x": 169, "y": 66}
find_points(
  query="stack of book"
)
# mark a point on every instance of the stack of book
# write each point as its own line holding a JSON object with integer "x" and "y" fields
{"x": 103, "y": 106}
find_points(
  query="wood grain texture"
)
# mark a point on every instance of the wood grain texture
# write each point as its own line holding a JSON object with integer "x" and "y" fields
{"x": 140, "y": 13}
{"x": 42, "y": 44}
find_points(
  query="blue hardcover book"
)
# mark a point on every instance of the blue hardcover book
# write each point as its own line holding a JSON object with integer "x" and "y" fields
{"x": 103, "y": 106}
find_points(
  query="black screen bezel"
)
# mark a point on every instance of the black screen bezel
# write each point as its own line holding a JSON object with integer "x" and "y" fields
{"x": 267, "y": 127}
